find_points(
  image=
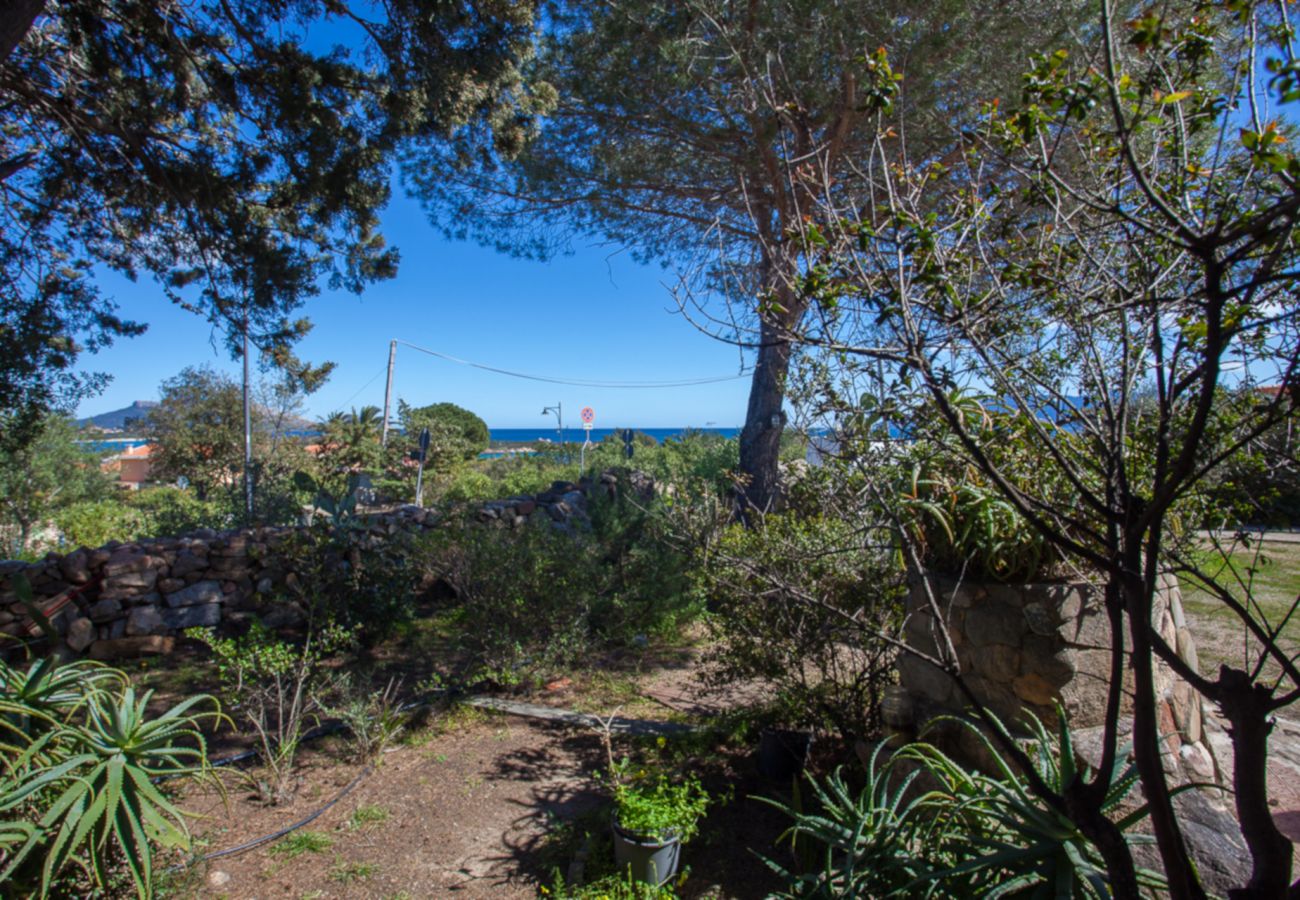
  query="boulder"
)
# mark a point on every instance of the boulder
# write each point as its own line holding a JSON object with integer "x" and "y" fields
{"x": 105, "y": 610}
{"x": 187, "y": 562}
{"x": 144, "y": 620}
{"x": 81, "y": 634}
{"x": 200, "y": 592}
{"x": 202, "y": 616}
{"x": 76, "y": 567}
{"x": 127, "y": 559}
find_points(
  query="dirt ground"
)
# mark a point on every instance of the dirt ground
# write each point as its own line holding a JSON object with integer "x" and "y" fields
{"x": 481, "y": 807}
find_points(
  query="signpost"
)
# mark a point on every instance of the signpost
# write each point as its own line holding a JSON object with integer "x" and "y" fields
{"x": 419, "y": 474}
{"x": 588, "y": 416}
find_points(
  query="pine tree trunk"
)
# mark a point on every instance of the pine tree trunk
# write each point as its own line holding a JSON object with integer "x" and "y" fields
{"x": 760, "y": 439}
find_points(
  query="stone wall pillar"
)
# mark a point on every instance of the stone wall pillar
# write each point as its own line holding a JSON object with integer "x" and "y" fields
{"x": 1025, "y": 647}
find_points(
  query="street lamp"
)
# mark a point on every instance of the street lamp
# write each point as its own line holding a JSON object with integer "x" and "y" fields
{"x": 558, "y": 409}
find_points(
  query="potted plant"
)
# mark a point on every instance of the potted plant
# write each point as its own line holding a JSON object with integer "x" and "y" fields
{"x": 653, "y": 816}
{"x": 783, "y": 745}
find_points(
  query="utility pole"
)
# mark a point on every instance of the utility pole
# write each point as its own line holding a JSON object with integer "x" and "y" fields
{"x": 248, "y": 433}
{"x": 388, "y": 391}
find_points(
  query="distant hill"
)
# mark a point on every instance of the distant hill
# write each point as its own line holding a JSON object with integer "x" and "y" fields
{"x": 131, "y": 419}
{"x": 121, "y": 419}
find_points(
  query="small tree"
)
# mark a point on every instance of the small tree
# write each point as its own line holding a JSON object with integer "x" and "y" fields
{"x": 197, "y": 430}
{"x": 46, "y": 475}
{"x": 1104, "y": 252}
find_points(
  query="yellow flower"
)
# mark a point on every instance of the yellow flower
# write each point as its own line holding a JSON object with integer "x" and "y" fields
{"x": 661, "y": 740}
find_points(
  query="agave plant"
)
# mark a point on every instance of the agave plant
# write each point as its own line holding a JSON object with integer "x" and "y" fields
{"x": 47, "y": 694}
{"x": 969, "y": 835}
{"x": 83, "y": 790}
{"x": 875, "y": 843}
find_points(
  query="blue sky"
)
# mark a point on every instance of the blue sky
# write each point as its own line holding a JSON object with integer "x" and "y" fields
{"x": 594, "y": 315}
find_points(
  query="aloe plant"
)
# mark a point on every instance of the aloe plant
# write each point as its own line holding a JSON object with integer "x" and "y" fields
{"x": 83, "y": 787}
{"x": 969, "y": 834}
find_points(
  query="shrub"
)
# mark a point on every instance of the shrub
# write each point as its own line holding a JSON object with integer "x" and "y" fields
{"x": 81, "y": 758}
{"x": 343, "y": 573}
{"x": 529, "y": 593}
{"x": 279, "y": 689}
{"x": 647, "y": 584}
{"x": 806, "y": 604}
{"x": 95, "y": 523}
{"x": 171, "y": 511}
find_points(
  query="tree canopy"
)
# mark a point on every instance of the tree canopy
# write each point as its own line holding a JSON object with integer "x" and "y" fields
{"x": 236, "y": 152}
{"x": 44, "y": 476}
{"x": 702, "y": 132}
{"x": 469, "y": 433}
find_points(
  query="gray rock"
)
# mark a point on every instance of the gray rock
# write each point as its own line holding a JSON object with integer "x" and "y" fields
{"x": 105, "y": 610}
{"x": 186, "y": 563}
{"x": 81, "y": 634}
{"x": 199, "y": 592}
{"x": 141, "y": 581}
{"x": 202, "y": 616}
{"x": 994, "y": 623}
{"x": 76, "y": 567}
{"x": 125, "y": 560}
{"x": 144, "y": 620}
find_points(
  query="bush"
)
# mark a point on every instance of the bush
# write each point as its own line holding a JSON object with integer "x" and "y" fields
{"x": 343, "y": 573}
{"x": 806, "y": 604}
{"x": 647, "y": 583}
{"x": 95, "y": 523}
{"x": 171, "y": 511}
{"x": 528, "y": 595}
{"x": 279, "y": 690}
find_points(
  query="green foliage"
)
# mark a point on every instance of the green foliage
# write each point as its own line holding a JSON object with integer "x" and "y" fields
{"x": 225, "y": 154}
{"x": 170, "y": 511}
{"x": 374, "y": 718}
{"x": 457, "y": 432}
{"x": 609, "y": 887}
{"x": 197, "y": 430}
{"x": 925, "y": 826}
{"x": 535, "y": 586}
{"x": 806, "y": 603}
{"x": 279, "y": 689}
{"x": 963, "y": 522}
{"x": 43, "y": 475}
{"x": 363, "y": 581}
{"x": 300, "y": 842}
{"x": 78, "y": 786}
{"x": 649, "y": 805}
{"x": 645, "y": 575}
{"x": 150, "y": 512}
{"x": 95, "y": 523}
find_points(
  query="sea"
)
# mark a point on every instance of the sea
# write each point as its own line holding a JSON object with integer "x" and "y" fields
{"x": 500, "y": 436}
{"x": 575, "y": 435}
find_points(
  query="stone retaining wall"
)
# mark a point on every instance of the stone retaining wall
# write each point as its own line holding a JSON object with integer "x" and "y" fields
{"x": 128, "y": 599}
{"x": 1028, "y": 646}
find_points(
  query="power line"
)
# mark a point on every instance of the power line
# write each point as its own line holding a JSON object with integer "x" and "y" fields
{"x": 346, "y": 403}
{"x": 577, "y": 382}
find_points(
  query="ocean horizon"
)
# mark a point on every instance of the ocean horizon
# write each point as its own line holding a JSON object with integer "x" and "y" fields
{"x": 575, "y": 435}
{"x": 107, "y": 444}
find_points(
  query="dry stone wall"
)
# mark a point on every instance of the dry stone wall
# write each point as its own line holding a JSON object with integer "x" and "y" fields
{"x": 131, "y": 599}
{"x": 1026, "y": 647}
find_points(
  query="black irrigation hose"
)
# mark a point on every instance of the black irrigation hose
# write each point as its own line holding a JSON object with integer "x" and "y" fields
{"x": 318, "y": 732}
{"x": 267, "y": 838}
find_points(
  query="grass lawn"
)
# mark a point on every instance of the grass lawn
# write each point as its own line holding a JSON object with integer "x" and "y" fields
{"x": 1271, "y": 571}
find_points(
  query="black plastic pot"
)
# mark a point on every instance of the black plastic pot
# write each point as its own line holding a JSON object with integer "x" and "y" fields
{"x": 782, "y": 753}
{"x": 648, "y": 860}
